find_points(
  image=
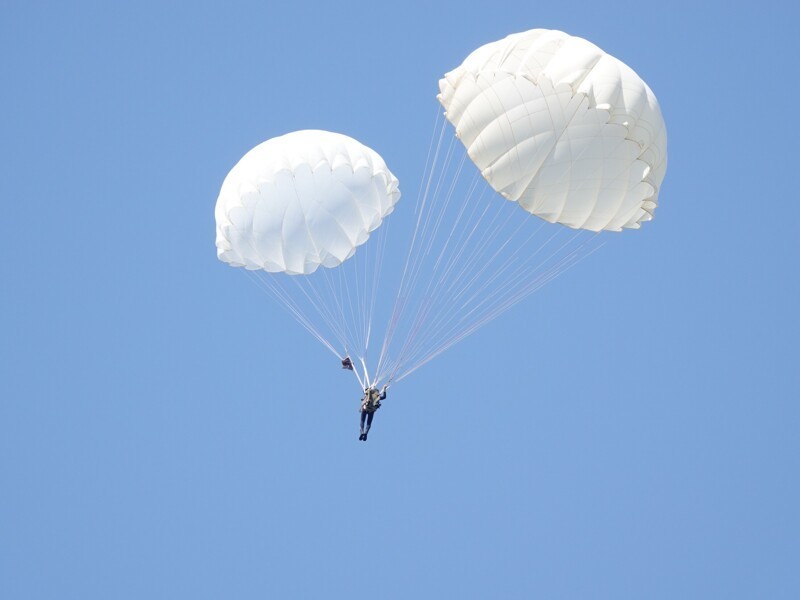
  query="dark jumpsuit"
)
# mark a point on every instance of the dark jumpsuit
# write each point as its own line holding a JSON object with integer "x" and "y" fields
{"x": 368, "y": 409}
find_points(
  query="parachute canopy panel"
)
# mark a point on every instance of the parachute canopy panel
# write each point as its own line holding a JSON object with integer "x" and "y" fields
{"x": 554, "y": 123}
{"x": 302, "y": 200}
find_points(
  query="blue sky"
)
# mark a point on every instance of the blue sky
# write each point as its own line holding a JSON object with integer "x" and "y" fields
{"x": 166, "y": 432}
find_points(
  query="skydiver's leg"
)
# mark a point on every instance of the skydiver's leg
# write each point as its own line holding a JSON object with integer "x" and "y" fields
{"x": 361, "y": 426}
{"x": 369, "y": 423}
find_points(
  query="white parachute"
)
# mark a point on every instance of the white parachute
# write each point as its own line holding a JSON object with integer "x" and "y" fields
{"x": 553, "y": 124}
{"x": 302, "y": 200}
{"x": 569, "y": 132}
{"x": 305, "y": 200}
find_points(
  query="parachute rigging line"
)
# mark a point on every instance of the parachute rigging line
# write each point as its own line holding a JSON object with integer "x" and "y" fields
{"x": 343, "y": 301}
{"x": 473, "y": 255}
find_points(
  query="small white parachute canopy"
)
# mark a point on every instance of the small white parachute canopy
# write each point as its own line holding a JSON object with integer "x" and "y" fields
{"x": 301, "y": 200}
{"x": 569, "y": 132}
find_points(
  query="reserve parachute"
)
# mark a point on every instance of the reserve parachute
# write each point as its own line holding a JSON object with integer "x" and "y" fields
{"x": 295, "y": 212}
{"x": 302, "y": 200}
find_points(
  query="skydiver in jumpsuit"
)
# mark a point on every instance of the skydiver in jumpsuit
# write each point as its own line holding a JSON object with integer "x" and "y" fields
{"x": 369, "y": 404}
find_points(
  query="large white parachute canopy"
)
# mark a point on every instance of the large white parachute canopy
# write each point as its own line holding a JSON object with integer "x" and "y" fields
{"x": 554, "y": 123}
{"x": 302, "y": 200}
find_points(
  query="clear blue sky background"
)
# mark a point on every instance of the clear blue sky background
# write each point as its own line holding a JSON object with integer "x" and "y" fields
{"x": 166, "y": 432}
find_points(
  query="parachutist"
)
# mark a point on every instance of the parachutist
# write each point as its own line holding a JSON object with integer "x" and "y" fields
{"x": 347, "y": 363}
{"x": 369, "y": 404}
